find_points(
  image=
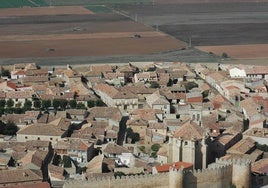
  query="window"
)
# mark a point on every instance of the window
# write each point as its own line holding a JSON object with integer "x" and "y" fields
{"x": 185, "y": 143}
{"x": 26, "y": 137}
{"x": 38, "y": 138}
{"x": 51, "y": 138}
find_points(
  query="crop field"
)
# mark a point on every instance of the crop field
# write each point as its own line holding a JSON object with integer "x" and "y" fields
{"x": 206, "y": 24}
{"x": 96, "y": 2}
{"x": 75, "y": 31}
{"x": 22, "y": 3}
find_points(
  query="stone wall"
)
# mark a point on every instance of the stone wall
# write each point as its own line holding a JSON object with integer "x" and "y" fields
{"x": 220, "y": 174}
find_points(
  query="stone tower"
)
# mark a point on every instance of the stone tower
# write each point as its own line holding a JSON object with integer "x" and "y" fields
{"x": 241, "y": 176}
{"x": 175, "y": 178}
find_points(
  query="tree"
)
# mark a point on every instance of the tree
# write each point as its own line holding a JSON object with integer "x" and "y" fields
{"x": 72, "y": 103}
{"x": 46, "y": 104}
{"x": 224, "y": 55}
{"x": 67, "y": 162}
{"x": 81, "y": 106}
{"x": 190, "y": 85}
{"x": 90, "y": 103}
{"x": 27, "y": 105}
{"x": 37, "y": 104}
{"x": 154, "y": 85}
{"x": 5, "y": 73}
{"x": 135, "y": 137}
{"x": 99, "y": 102}
{"x": 155, "y": 147}
{"x": 2, "y": 103}
{"x": 10, "y": 128}
{"x": 60, "y": 103}
{"x": 10, "y": 103}
{"x": 56, "y": 159}
{"x": 205, "y": 93}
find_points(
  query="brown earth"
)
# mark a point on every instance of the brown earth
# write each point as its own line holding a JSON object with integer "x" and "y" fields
{"x": 88, "y": 47}
{"x": 239, "y": 51}
{"x": 201, "y": 1}
{"x": 36, "y": 11}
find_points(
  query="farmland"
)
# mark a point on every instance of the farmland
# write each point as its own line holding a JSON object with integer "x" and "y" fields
{"x": 76, "y": 31}
{"x": 21, "y": 3}
{"x": 207, "y": 24}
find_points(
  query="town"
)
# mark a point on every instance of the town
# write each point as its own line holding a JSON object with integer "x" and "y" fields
{"x": 137, "y": 124}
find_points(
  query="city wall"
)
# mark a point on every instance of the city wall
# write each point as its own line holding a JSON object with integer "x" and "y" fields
{"x": 221, "y": 174}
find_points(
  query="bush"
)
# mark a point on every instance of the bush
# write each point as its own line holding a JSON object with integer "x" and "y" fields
{"x": 90, "y": 103}
{"x": 67, "y": 162}
{"x": 155, "y": 147}
{"x": 154, "y": 85}
{"x": 10, "y": 128}
{"x": 224, "y": 55}
{"x": 99, "y": 102}
{"x": 190, "y": 85}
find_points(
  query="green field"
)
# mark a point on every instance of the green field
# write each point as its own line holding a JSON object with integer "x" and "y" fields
{"x": 21, "y": 3}
{"x": 98, "y": 9}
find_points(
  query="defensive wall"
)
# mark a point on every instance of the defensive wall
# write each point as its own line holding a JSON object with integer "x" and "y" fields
{"x": 221, "y": 174}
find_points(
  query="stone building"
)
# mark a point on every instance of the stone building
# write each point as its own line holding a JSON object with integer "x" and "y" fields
{"x": 189, "y": 144}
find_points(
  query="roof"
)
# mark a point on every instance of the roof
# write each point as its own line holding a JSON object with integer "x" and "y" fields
{"x": 46, "y": 130}
{"x": 145, "y": 113}
{"x": 260, "y": 167}
{"x": 105, "y": 112}
{"x": 250, "y": 106}
{"x": 56, "y": 171}
{"x": 112, "y": 148}
{"x": 189, "y": 130}
{"x": 177, "y": 165}
{"x": 95, "y": 165}
{"x": 73, "y": 144}
{"x": 18, "y": 176}
{"x": 243, "y": 146}
{"x": 156, "y": 98}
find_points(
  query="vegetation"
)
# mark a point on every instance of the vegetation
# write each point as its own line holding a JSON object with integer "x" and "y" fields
{"x": 224, "y": 55}
{"x": 10, "y": 128}
{"x": 72, "y": 103}
{"x": 190, "y": 85}
{"x": 205, "y": 93}
{"x": 155, "y": 148}
{"x": 67, "y": 162}
{"x": 262, "y": 147}
{"x": 46, "y": 104}
{"x": 10, "y": 103}
{"x": 90, "y": 103}
{"x": 99, "y": 102}
{"x": 154, "y": 85}
{"x": 5, "y": 73}
{"x": 60, "y": 104}
{"x": 135, "y": 137}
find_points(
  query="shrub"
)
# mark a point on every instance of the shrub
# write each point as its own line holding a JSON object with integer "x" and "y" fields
{"x": 224, "y": 55}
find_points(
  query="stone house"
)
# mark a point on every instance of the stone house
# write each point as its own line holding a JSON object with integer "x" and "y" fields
{"x": 157, "y": 101}
{"x": 19, "y": 97}
{"x": 114, "y": 151}
{"x": 78, "y": 149}
{"x": 112, "y": 97}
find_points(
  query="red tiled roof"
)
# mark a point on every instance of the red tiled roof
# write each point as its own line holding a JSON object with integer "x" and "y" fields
{"x": 178, "y": 165}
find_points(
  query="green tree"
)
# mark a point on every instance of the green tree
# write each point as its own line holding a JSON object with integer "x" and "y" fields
{"x": 190, "y": 85}
{"x": 155, "y": 147}
{"x": 99, "y": 102}
{"x": 60, "y": 103}
{"x": 72, "y": 103}
{"x": 2, "y": 103}
{"x": 46, "y": 104}
{"x": 90, "y": 103}
{"x": 224, "y": 55}
{"x": 10, "y": 128}
{"x": 119, "y": 174}
{"x": 5, "y": 73}
{"x": 27, "y": 105}
{"x": 37, "y": 104}
{"x": 135, "y": 137}
{"x": 81, "y": 106}
{"x": 56, "y": 159}
{"x": 10, "y": 103}
{"x": 154, "y": 85}
{"x": 205, "y": 93}
{"x": 67, "y": 162}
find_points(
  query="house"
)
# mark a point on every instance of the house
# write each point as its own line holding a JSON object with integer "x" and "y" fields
{"x": 19, "y": 97}
{"x": 147, "y": 114}
{"x": 21, "y": 177}
{"x": 157, "y": 101}
{"x": 156, "y": 133}
{"x": 56, "y": 175}
{"x": 260, "y": 172}
{"x": 113, "y": 151}
{"x": 111, "y": 115}
{"x": 138, "y": 126}
{"x": 259, "y": 135}
{"x": 112, "y": 97}
{"x": 43, "y": 132}
{"x": 79, "y": 150}
{"x": 145, "y": 77}
{"x": 175, "y": 166}
{"x": 77, "y": 115}
{"x": 246, "y": 149}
